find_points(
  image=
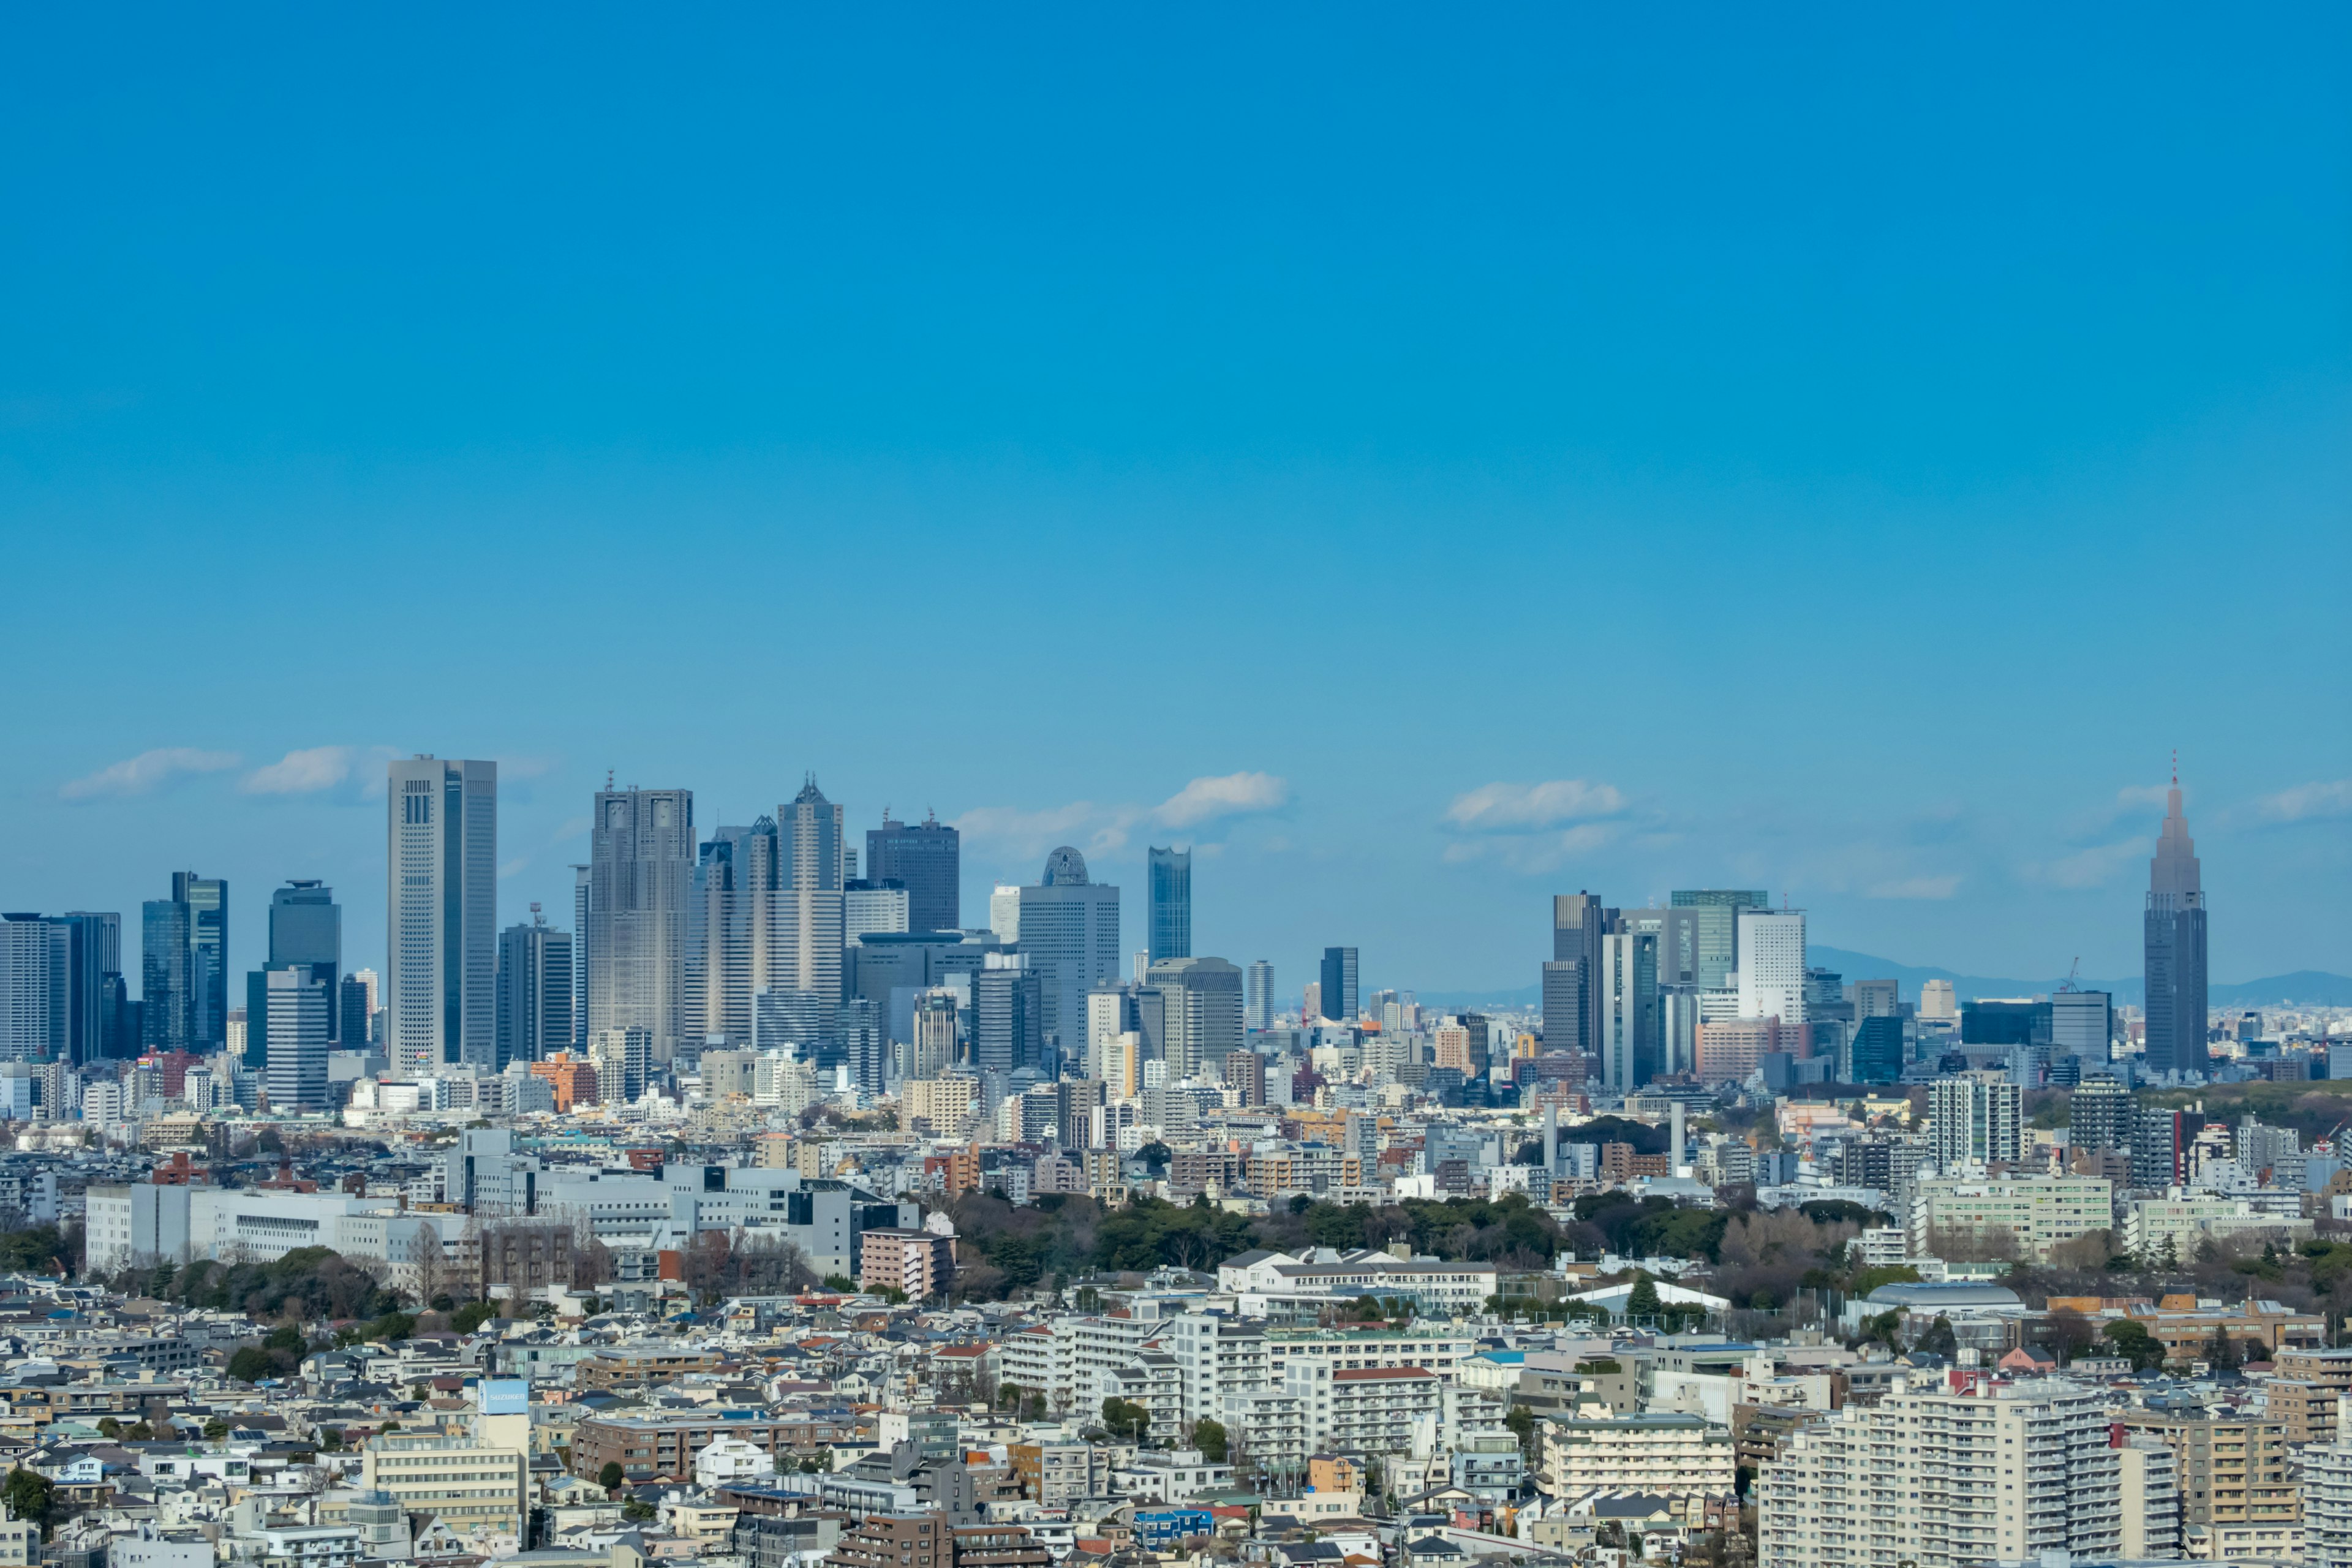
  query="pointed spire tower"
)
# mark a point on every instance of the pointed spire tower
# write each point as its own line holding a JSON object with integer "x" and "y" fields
{"x": 2173, "y": 946}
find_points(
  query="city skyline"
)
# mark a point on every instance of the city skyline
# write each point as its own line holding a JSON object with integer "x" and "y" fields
{"x": 1915, "y": 441}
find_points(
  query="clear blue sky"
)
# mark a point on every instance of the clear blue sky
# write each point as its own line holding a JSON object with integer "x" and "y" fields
{"x": 1841, "y": 453}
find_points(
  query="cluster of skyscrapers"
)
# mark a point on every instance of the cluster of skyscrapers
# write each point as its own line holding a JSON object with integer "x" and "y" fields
{"x": 772, "y": 936}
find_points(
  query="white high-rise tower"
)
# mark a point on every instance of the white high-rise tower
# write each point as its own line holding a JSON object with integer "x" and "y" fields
{"x": 1772, "y": 965}
{"x": 441, "y": 915}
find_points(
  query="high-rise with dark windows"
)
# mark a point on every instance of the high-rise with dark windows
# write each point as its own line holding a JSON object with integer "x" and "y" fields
{"x": 1171, "y": 933}
{"x": 928, "y": 856}
{"x": 1339, "y": 985}
{"x": 2175, "y": 949}
{"x": 306, "y": 929}
{"x": 534, "y": 992}
{"x": 184, "y": 965}
{"x": 1717, "y": 936}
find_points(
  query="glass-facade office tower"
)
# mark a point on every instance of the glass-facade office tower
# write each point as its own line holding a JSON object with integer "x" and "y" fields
{"x": 354, "y": 1014}
{"x": 2174, "y": 950}
{"x": 1170, "y": 932}
{"x": 441, "y": 916}
{"x": 296, "y": 1072}
{"x": 928, "y": 857}
{"x": 183, "y": 973}
{"x": 1069, "y": 934}
{"x": 534, "y": 992}
{"x": 1338, "y": 975}
{"x": 1260, "y": 1006}
{"x": 1627, "y": 983}
{"x": 36, "y": 1000}
{"x": 2082, "y": 1024}
{"x": 641, "y": 863}
{"x": 579, "y": 958}
{"x": 1578, "y": 924}
{"x": 306, "y": 927}
{"x": 93, "y": 977}
{"x": 1717, "y": 934}
{"x": 1007, "y": 1008}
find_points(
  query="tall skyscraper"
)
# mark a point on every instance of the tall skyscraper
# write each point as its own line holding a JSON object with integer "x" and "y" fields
{"x": 2174, "y": 948}
{"x": 355, "y": 1012}
{"x": 1578, "y": 924}
{"x": 306, "y": 927}
{"x": 732, "y": 928}
{"x": 641, "y": 866}
{"x": 1260, "y": 1009}
{"x": 1563, "y": 1005}
{"x": 580, "y": 877}
{"x": 1339, "y": 985}
{"x": 1627, "y": 983}
{"x": 808, "y": 944}
{"x": 93, "y": 976}
{"x": 1171, "y": 926}
{"x": 1069, "y": 934}
{"x": 1772, "y": 965}
{"x": 1008, "y": 1002}
{"x": 1717, "y": 933}
{"x": 36, "y": 1001}
{"x": 534, "y": 992}
{"x": 297, "y": 1008}
{"x": 164, "y": 979}
{"x": 441, "y": 922}
{"x": 2082, "y": 1025}
{"x": 184, "y": 971}
{"x": 927, "y": 859}
{"x": 1201, "y": 998}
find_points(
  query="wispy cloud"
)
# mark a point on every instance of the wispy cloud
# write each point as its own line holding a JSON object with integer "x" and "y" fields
{"x": 1522, "y": 807}
{"x": 2091, "y": 867}
{"x": 1229, "y": 794}
{"x": 301, "y": 772}
{"x": 572, "y": 827}
{"x": 2307, "y": 803}
{"x": 513, "y": 866}
{"x": 1916, "y": 888}
{"x": 1106, "y": 827}
{"x": 146, "y": 771}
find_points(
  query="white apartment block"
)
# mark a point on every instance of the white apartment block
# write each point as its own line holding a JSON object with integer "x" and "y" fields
{"x": 1944, "y": 1481}
{"x": 2040, "y": 1212}
{"x": 1370, "y": 1410}
{"x": 1772, "y": 965}
{"x": 1674, "y": 1454}
{"x": 2184, "y": 1221}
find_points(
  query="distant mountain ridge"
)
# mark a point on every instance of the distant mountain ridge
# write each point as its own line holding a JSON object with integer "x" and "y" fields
{"x": 2307, "y": 987}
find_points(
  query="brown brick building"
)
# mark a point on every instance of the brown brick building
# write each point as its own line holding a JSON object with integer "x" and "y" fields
{"x": 2231, "y": 1472}
{"x": 662, "y": 1447}
{"x": 632, "y": 1367}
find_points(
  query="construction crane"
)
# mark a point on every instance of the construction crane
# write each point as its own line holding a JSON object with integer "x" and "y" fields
{"x": 2073, "y": 976}
{"x": 2327, "y": 1145}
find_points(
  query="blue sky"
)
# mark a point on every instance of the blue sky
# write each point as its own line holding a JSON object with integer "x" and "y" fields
{"x": 1840, "y": 453}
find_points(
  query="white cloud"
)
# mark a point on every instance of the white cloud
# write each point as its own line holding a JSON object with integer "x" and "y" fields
{"x": 1916, "y": 888}
{"x": 1517, "y": 807}
{"x": 1095, "y": 829}
{"x": 572, "y": 827}
{"x": 1231, "y": 794}
{"x": 148, "y": 770}
{"x": 512, "y": 866}
{"x": 301, "y": 772}
{"x": 2095, "y": 867}
{"x": 2307, "y": 803}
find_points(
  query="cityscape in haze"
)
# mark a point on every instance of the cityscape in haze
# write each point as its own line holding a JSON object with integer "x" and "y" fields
{"x": 1293, "y": 787}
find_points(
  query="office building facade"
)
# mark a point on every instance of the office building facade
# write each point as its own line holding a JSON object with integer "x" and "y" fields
{"x": 2174, "y": 948}
{"x": 441, "y": 920}
{"x": 1578, "y": 924}
{"x": 298, "y": 1018}
{"x": 1628, "y": 992}
{"x": 306, "y": 930}
{"x": 1202, "y": 1006}
{"x": 1170, "y": 931}
{"x": 1717, "y": 935}
{"x": 926, "y": 859}
{"x": 1069, "y": 934}
{"x": 35, "y": 997}
{"x": 1257, "y": 1012}
{"x": 1772, "y": 965}
{"x": 641, "y": 869}
{"x": 534, "y": 992}
{"x": 1339, "y": 978}
{"x": 183, "y": 975}
{"x": 808, "y": 946}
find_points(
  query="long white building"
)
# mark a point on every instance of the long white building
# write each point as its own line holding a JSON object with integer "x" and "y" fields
{"x": 1942, "y": 1480}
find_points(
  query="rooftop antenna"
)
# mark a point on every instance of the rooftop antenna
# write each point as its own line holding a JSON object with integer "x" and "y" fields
{"x": 2175, "y": 767}
{"x": 608, "y": 781}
